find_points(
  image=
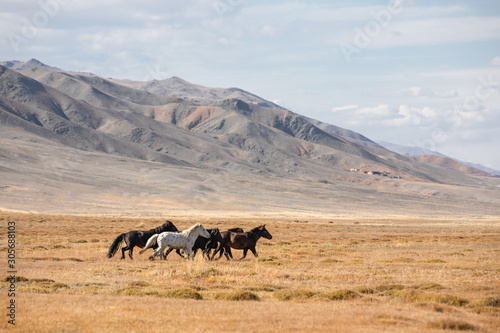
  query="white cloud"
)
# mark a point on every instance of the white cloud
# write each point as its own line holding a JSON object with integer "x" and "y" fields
{"x": 345, "y": 107}
{"x": 381, "y": 110}
{"x": 495, "y": 61}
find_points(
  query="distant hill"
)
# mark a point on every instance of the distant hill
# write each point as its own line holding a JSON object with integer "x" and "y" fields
{"x": 22, "y": 65}
{"x": 408, "y": 150}
{"x": 418, "y": 151}
{"x": 85, "y": 141}
{"x": 450, "y": 164}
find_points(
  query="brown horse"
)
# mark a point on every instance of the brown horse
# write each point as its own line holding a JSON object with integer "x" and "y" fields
{"x": 244, "y": 241}
{"x": 219, "y": 244}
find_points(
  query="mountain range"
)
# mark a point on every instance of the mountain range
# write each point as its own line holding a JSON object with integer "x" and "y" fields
{"x": 77, "y": 142}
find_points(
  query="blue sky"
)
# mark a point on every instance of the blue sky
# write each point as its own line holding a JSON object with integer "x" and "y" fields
{"x": 424, "y": 73}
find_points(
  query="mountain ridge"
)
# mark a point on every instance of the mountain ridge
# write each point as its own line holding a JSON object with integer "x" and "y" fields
{"x": 186, "y": 153}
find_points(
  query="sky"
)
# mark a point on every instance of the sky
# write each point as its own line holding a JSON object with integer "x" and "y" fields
{"x": 410, "y": 72}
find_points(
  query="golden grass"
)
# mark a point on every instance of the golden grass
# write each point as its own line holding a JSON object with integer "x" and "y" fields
{"x": 360, "y": 275}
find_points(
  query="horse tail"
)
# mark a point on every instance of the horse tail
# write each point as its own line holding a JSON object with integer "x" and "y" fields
{"x": 151, "y": 242}
{"x": 115, "y": 246}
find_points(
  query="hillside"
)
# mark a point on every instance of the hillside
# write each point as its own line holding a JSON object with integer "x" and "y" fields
{"x": 86, "y": 141}
{"x": 451, "y": 164}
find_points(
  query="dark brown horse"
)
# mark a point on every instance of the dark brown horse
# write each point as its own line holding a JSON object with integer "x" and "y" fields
{"x": 137, "y": 238}
{"x": 244, "y": 241}
{"x": 219, "y": 246}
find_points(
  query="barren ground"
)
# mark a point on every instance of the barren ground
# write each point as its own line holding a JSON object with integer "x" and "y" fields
{"x": 328, "y": 275}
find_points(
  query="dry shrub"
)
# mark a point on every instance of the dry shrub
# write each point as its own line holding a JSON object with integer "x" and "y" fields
{"x": 448, "y": 299}
{"x": 447, "y": 324}
{"x": 237, "y": 296}
{"x": 366, "y": 291}
{"x": 18, "y": 279}
{"x": 138, "y": 284}
{"x": 427, "y": 286}
{"x": 41, "y": 281}
{"x": 409, "y": 295}
{"x": 186, "y": 293}
{"x": 139, "y": 292}
{"x": 291, "y": 295}
{"x": 389, "y": 289}
{"x": 490, "y": 301}
{"x": 341, "y": 295}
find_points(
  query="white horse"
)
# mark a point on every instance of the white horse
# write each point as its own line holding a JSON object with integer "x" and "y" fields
{"x": 177, "y": 240}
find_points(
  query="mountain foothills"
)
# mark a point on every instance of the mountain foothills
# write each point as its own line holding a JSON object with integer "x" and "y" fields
{"x": 79, "y": 143}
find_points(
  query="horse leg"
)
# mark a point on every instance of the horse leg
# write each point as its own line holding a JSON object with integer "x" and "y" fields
{"x": 189, "y": 253}
{"x": 254, "y": 252}
{"x": 218, "y": 249}
{"x": 130, "y": 252}
{"x": 160, "y": 251}
{"x": 206, "y": 253}
{"x": 126, "y": 248}
{"x": 170, "y": 249}
{"x": 227, "y": 253}
{"x": 244, "y": 254}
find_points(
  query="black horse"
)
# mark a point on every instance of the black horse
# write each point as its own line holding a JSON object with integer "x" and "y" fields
{"x": 206, "y": 244}
{"x": 137, "y": 238}
{"x": 244, "y": 241}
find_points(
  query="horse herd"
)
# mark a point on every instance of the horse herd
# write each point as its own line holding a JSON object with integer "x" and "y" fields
{"x": 190, "y": 241}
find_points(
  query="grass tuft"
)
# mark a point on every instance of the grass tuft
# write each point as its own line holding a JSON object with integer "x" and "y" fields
{"x": 237, "y": 296}
{"x": 290, "y": 295}
{"x": 341, "y": 295}
{"x": 186, "y": 293}
{"x": 447, "y": 324}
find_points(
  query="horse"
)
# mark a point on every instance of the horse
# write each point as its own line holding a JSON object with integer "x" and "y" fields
{"x": 219, "y": 246}
{"x": 244, "y": 241}
{"x": 137, "y": 238}
{"x": 177, "y": 240}
{"x": 206, "y": 244}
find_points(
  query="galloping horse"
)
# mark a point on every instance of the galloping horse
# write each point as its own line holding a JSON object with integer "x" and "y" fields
{"x": 137, "y": 238}
{"x": 219, "y": 245}
{"x": 177, "y": 240}
{"x": 205, "y": 244}
{"x": 244, "y": 241}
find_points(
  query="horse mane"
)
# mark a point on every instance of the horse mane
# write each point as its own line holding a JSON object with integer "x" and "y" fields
{"x": 189, "y": 230}
{"x": 257, "y": 228}
{"x": 161, "y": 228}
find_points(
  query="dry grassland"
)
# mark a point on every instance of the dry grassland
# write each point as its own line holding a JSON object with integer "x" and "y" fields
{"x": 342, "y": 275}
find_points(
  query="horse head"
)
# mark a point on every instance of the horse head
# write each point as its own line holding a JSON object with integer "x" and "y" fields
{"x": 169, "y": 226}
{"x": 215, "y": 235}
{"x": 197, "y": 230}
{"x": 263, "y": 232}
{"x": 202, "y": 231}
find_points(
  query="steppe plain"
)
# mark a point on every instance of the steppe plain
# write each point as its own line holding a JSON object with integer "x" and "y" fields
{"x": 345, "y": 274}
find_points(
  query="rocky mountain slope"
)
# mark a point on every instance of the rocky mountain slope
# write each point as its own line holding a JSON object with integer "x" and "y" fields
{"x": 204, "y": 147}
